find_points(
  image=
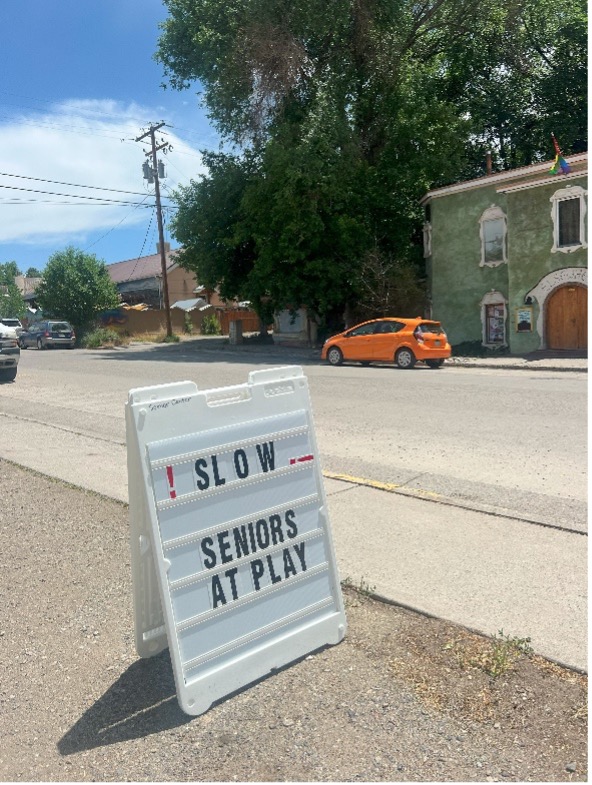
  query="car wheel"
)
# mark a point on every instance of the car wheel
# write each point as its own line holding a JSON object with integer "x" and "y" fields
{"x": 434, "y": 363}
{"x": 8, "y": 374}
{"x": 334, "y": 356}
{"x": 405, "y": 358}
{"x": 22, "y": 344}
{"x": 40, "y": 344}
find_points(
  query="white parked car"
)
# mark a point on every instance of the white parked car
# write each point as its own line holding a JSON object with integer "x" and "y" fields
{"x": 10, "y": 353}
{"x": 10, "y": 321}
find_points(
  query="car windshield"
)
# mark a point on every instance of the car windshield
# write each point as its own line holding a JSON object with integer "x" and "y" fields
{"x": 60, "y": 327}
{"x": 430, "y": 327}
{"x": 11, "y": 322}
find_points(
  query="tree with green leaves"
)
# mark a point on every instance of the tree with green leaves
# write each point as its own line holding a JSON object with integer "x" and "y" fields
{"x": 76, "y": 286}
{"x": 33, "y": 272}
{"x": 11, "y": 299}
{"x": 341, "y": 115}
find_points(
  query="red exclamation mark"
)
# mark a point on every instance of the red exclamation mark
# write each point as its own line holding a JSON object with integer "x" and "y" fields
{"x": 172, "y": 491}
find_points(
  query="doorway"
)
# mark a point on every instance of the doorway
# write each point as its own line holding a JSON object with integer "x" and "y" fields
{"x": 567, "y": 318}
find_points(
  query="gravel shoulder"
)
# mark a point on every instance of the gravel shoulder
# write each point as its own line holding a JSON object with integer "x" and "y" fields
{"x": 403, "y": 698}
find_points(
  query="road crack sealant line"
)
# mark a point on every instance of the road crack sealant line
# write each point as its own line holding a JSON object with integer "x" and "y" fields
{"x": 432, "y": 496}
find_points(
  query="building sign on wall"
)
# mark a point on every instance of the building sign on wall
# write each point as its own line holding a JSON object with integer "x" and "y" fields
{"x": 232, "y": 557}
{"x": 524, "y": 319}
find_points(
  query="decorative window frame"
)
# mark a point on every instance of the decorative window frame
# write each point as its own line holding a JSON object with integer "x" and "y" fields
{"x": 493, "y": 213}
{"x": 493, "y": 298}
{"x": 427, "y": 239}
{"x": 564, "y": 194}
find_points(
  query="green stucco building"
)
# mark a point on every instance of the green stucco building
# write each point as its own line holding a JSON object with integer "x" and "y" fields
{"x": 506, "y": 258}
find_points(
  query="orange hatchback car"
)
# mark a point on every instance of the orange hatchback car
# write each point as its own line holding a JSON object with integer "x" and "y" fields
{"x": 402, "y": 341}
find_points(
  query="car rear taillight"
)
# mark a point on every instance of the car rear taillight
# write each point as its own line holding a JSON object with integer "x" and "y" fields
{"x": 46, "y": 334}
{"x": 417, "y": 335}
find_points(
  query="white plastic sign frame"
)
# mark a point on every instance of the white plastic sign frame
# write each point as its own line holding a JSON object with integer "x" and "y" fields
{"x": 233, "y": 564}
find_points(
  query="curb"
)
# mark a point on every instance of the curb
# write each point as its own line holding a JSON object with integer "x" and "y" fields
{"x": 541, "y": 365}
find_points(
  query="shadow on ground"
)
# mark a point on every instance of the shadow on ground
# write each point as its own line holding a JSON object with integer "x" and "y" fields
{"x": 141, "y": 702}
{"x": 211, "y": 351}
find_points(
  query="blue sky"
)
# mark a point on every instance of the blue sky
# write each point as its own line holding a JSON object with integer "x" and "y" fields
{"x": 78, "y": 77}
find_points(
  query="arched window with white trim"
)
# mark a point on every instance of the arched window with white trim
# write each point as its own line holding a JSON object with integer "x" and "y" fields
{"x": 493, "y": 228}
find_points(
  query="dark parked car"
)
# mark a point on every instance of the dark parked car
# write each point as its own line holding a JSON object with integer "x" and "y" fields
{"x": 9, "y": 353}
{"x": 52, "y": 334}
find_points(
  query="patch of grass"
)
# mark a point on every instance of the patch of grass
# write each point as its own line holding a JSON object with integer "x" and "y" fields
{"x": 159, "y": 337}
{"x": 501, "y": 654}
{"x": 494, "y": 656}
{"x": 103, "y": 337}
{"x": 361, "y": 587}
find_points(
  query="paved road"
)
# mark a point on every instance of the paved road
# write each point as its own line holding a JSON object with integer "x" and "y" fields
{"x": 447, "y": 449}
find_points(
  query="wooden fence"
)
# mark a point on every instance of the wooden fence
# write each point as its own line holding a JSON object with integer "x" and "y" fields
{"x": 154, "y": 320}
{"x": 249, "y": 319}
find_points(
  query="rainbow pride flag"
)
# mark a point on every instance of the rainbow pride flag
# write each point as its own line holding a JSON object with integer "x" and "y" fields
{"x": 560, "y": 164}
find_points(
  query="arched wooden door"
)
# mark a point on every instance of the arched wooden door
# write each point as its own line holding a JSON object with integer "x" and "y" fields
{"x": 567, "y": 318}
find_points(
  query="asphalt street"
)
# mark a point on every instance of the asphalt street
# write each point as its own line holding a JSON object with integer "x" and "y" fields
{"x": 481, "y": 566}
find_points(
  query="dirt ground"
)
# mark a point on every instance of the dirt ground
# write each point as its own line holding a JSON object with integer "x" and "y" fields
{"x": 402, "y": 698}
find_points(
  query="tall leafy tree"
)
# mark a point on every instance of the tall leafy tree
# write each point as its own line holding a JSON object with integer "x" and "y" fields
{"x": 76, "y": 286}
{"x": 346, "y": 113}
{"x": 206, "y": 225}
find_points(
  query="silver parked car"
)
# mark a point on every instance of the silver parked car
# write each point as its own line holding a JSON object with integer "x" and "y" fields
{"x": 50, "y": 334}
{"x": 9, "y": 353}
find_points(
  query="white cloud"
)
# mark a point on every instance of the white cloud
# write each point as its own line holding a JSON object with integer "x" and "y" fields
{"x": 86, "y": 142}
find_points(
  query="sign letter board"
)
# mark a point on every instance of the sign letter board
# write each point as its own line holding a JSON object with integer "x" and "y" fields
{"x": 233, "y": 564}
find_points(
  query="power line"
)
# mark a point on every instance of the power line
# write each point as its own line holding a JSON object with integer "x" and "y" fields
{"x": 72, "y": 196}
{"x": 66, "y": 128}
{"x": 116, "y": 225}
{"x": 29, "y": 202}
{"x": 74, "y": 185}
{"x": 144, "y": 243}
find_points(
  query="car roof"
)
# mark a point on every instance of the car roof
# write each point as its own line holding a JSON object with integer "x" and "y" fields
{"x": 404, "y": 319}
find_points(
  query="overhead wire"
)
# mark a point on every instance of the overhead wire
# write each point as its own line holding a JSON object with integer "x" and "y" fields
{"x": 116, "y": 225}
{"x": 69, "y": 129}
{"x": 72, "y": 196}
{"x": 74, "y": 185}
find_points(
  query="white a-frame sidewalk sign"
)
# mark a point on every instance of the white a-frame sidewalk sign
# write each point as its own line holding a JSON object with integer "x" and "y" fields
{"x": 232, "y": 558}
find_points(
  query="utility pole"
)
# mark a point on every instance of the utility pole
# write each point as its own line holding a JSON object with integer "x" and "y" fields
{"x": 152, "y": 152}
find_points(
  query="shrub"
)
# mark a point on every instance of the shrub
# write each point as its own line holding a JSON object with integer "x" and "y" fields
{"x": 102, "y": 337}
{"x": 187, "y": 324}
{"x": 210, "y": 325}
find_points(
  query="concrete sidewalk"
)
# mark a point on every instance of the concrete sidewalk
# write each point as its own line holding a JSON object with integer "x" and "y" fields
{"x": 536, "y": 361}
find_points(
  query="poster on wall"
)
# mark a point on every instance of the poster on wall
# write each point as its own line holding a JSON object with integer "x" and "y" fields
{"x": 524, "y": 320}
